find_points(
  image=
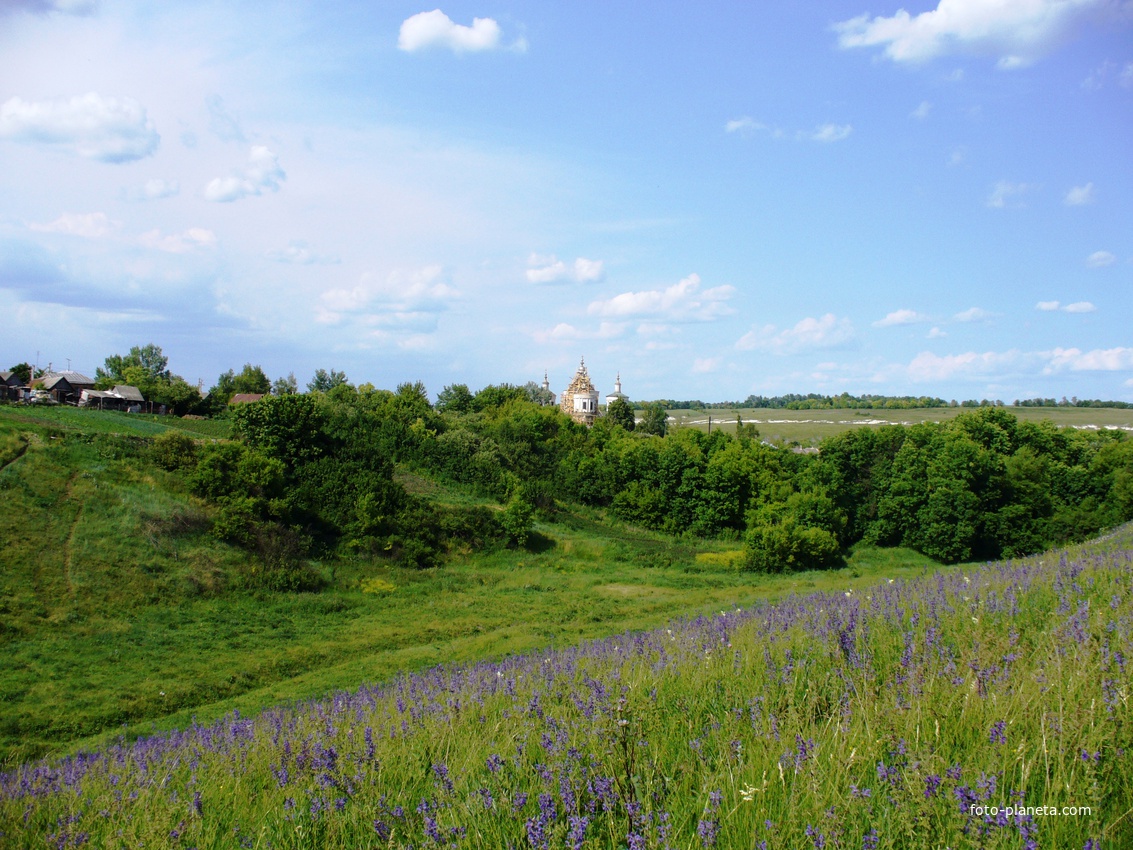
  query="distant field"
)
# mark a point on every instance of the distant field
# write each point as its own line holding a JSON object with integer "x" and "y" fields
{"x": 810, "y": 426}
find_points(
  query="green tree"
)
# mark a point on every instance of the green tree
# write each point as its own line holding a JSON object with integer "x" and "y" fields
{"x": 455, "y": 398}
{"x": 619, "y": 412}
{"x": 655, "y": 419}
{"x": 285, "y": 386}
{"x": 22, "y": 371}
{"x": 324, "y": 381}
{"x": 148, "y": 362}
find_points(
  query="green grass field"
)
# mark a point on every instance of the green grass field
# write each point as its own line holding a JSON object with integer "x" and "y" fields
{"x": 808, "y": 427}
{"x": 119, "y": 610}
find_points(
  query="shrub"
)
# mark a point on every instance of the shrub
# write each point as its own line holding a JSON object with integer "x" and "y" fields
{"x": 173, "y": 450}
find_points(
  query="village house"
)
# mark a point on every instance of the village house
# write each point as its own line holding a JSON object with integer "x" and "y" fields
{"x": 64, "y": 387}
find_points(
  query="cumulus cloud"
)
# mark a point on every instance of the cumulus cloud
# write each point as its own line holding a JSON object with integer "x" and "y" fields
{"x": 746, "y": 124}
{"x": 922, "y": 111}
{"x": 1016, "y": 31}
{"x": 1100, "y": 259}
{"x": 550, "y": 269}
{"x": 927, "y": 366}
{"x": 830, "y": 132}
{"x": 900, "y": 317}
{"x": 407, "y": 294}
{"x": 1098, "y": 360}
{"x": 1005, "y": 194}
{"x": 684, "y": 301}
{"x": 827, "y": 331}
{"x": 937, "y": 333}
{"x": 565, "y": 332}
{"x": 436, "y": 29}
{"x": 178, "y": 243}
{"x": 156, "y": 189}
{"x": 1076, "y": 307}
{"x": 1079, "y": 195}
{"x": 972, "y": 314}
{"x": 301, "y": 254}
{"x": 88, "y": 225}
{"x": 107, "y": 129}
{"x": 261, "y": 174}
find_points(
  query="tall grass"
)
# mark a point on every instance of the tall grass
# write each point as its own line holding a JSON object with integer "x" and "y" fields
{"x": 894, "y": 716}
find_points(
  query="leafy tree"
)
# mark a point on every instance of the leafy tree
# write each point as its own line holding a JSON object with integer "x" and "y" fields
{"x": 536, "y": 394}
{"x": 21, "y": 371}
{"x": 455, "y": 398}
{"x": 655, "y": 419}
{"x": 496, "y": 395}
{"x": 324, "y": 381}
{"x": 620, "y": 413}
{"x": 250, "y": 379}
{"x": 146, "y": 365}
{"x": 285, "y": 386}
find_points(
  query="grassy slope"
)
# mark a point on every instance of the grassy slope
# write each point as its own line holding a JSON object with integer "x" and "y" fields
{"x": 117, "y": 607}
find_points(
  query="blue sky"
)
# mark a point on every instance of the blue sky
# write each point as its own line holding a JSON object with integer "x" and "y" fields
{"x": 714, "y": 199}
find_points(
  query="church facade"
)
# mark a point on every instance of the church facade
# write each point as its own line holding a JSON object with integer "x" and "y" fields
{"x": 579, "y": 400}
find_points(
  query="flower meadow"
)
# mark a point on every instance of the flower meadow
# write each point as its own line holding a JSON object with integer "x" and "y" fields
{"x": 978, "y": 707}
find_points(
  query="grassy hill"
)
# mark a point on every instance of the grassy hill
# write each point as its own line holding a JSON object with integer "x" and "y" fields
{"x": 121, "y": 614}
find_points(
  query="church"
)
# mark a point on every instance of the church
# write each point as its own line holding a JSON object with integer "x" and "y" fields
{"x": 579, "y": 400}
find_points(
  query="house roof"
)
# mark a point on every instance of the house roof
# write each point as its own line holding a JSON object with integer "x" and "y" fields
{"x": 73, "y": 378}
{"x": 51, "y": 381}
{"x": 129, "y": 393}
{"x": 245, "y": 398}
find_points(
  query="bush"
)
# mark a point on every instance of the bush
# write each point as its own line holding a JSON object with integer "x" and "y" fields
{"x": 516, "y": 520}
{"x": 788, "y": 546}
{"x": 173, "y": 450}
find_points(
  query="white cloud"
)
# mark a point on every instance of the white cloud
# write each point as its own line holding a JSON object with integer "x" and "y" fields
{"x": 682, "y": 302}
{"x": 1076, "y": 307}
{"x": 553, "y": 270}
{"x": 89, "y": 225}
{"x": 747, "y": 124}
{"x": 107, "y": 129}
{"x": 972, "y": 314}
{"x": 403, "y": 293}
{"x": 1098, "y": 360}
{"x": 1079, "y": 195}
{"x": 436, "y": 29}
{"x": 927, "y": 366}
{"x": 301, "y": 254}
{"x": 1003, "y": 193}
{"x": 261, "y": 174}
{"x": 1100, "y": 259}
{"x": 158, "y": 188}
{"x": 565, "y": 332}
{"x": 1017, "y": 31}
{"x": 831, "y": 132}
{"x": 900, "y": 317}
{"x": 704, "y": 365}
{"x": 922, "y": 111}
{"x": 937, "y": 333}
{"x": 178, "y": 243}
{"x": 810, "y": 333}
